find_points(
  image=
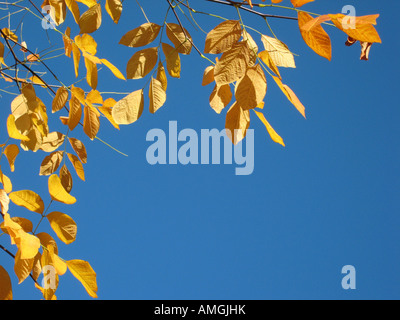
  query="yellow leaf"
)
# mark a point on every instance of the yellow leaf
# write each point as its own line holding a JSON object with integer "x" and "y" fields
{"x": 141, "y": 63}
{"x": 274, "y": 136}
{"x": 75, "y": 112}
{"x": 23, "y": 267}
{"x": 6, "y": 287}
{"x": 7, "y": 185}
{"x": 9, "y": 34}
{"x": 79, "y": 148}
{"x": 179, "y": 37}
{"x": 76, "y": 53}
{"x": 114, "y": 9}
{"x": 317, "y": 39}
{"x": 51, "y": 163}
{"x": 28, "y": 199}
{"x": 60, "y": 100}
{"x": 60, "y": 265}
{"x": 279, "y": 52}
{"x": 13, "y": 132}
{"x": 25, "y": 224}
{"x": 94, "y": 97}
{"x": 11, "y": 152}
{"x": 141, "y": 36}
{"x": 173, "y": 60}
{"x": 113, "y": 69}
{"x": 107, "y": 112}
{"x": 89, "y": 3}
{"x": 300, "y": 3}
{"x": 60, "y": 11}
{"x": 129, "y": 109}
{"x": 162, "y": 76}
{"x": 208, "y": 76}
{"x": 28, "y": 245}
{"x": 266, "y": 58}
{"x": 223, "y": 37}
{"x": 237, "y": 122}
{"x": 252, "y": 88}
{"x": 46, "y": 240}
{"x": 67, "y": 41}
{"x": 4, "y": 201}
{"x": 90, "y": 20}
{"x": 77, "y": 165}
{"x": 64, "y": 226}
{"x": 78, "y": 93}
{"x": 233, "y": 64}
{"x": 91, "y": 73}
{"x": 91, "y": 123}
{"x": 66, "y": 178}
{"x": 291, "y": 96}
{"x": 157, "y": 95}
{"x": 220, "y": 97}
{"x": 86, "y": 42}
{"x": 74, "y": 8}
{"x": 85, "y": 274}
{"x": 52, "y": 141}
{"x": 57, "y": 191}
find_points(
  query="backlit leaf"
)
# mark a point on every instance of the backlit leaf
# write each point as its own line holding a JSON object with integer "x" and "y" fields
{"x": 90, "y": 20}
{"x": 85, "y": 274}
{"x": 57, "y": 191}
{"x": 129, "y": 109}
{"x": 6, "y": 286}
{"x": 141, "y": 63}
{"x": 64, "y": 226}
{"x": 141, "y": 36}
{"x": 28, "y": 199}
{"x": 11, "y": 152}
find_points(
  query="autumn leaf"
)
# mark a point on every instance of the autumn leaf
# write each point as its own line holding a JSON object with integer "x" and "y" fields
{"x": 220, "y": 97}
{"x": 64, "y": 226}
{"x": 157, "y": 95}
{"x": 90, "y": 20}
{"x": 237, "y": 122}
{"x": 279, "y": 52}
{"x": 82, "y": 271}
{"x": 11, "y": 152}
{"x": 60, "y": 100}
{"x": 252, "y": 88}
{"x": 114, "y": 9}
{"x": 6, "y": 286}
{"x": 316, "y": 38}
{"x": 179, "y": 37}
{"x": 274, "y": 136}
{"x": 223, "y": 37}
{"x": 129, "y": 109}
{"x": 91, "y": 122}
{"x": 79, "y": 148}
{"x": 77, "y": 166}
{"x": 141, "y": 36}
{"x": 57, "y": 191}
{"x": 28, "y": 199}
{"x": 233, "y": 64}
{"x": 141, "y": 63}
{"x": 173, "y": 60}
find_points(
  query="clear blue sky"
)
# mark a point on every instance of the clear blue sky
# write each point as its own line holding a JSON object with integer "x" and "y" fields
{"x": 329, "y": 199}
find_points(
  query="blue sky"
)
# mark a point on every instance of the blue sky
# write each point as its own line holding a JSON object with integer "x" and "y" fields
{"x": 329, "y": 199}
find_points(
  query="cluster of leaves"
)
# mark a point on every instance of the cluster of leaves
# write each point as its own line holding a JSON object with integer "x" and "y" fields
{"x": 239, "y": 75}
